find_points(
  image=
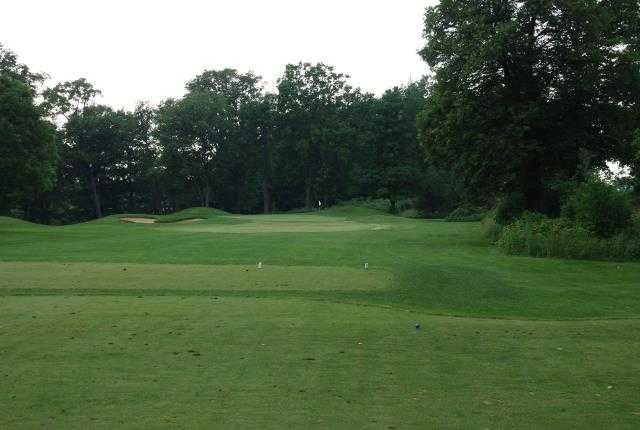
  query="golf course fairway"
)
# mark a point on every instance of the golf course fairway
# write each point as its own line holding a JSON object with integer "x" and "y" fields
{"x": 171, "y": 324}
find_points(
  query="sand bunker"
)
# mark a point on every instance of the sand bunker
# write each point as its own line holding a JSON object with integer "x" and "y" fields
{"x": 153, "y": 221}
{"x": 139, "y": 220}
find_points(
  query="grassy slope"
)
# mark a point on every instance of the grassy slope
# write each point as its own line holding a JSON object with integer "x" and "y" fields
{"x": 191, "y": 213}
{"x": 443, "y": 268}
{"x": 312, "y": 340}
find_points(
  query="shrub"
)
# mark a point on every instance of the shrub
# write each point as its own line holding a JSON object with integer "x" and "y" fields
{"x": 404, "y": 207}
{"x": 490, "y": 228}
{"x": 538, "y": 236}
{"x": 509, "y": 208}
{"x": 466, "y": 213}
{"x": 376, "y": 204}
{"x": 406, "y": 204}
{"x": 410, "y": 213}
{"x": 599, "y": 207}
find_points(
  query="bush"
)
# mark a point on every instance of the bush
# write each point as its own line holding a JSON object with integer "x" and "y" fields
{"x": 410, "y": 213}
{"x": 538, "y": 236}
{"x": 509, "y": 208}
{"x": 376, "y": 204}
{"x": 406, "y": 204}
{"x": 599, "y": 208}
{"x": 404, "y": 207}
{"x": 490, "y": 228}
{"x": 466, "y": 213}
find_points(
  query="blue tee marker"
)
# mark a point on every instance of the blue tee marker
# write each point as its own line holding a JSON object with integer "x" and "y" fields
{"x": 417, "y": 326}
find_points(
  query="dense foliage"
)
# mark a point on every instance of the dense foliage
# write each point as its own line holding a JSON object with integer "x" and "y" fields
{"x": 27, "y": 140}
{"x": 597, "y": 222}
{"x": 226, "y": 143}
{"x": 527, "y": 93}
{"x": 538, "y": 236}
{"x": 599, "y": 208}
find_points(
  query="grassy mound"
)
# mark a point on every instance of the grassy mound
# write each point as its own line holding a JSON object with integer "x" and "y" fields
{"x": 191, "y": 213}
{"x": 195, "y": 213}
{"x": 10, "y": 222}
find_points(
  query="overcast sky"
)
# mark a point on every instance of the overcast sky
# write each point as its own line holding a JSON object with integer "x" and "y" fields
{"x": 146, "y": 50}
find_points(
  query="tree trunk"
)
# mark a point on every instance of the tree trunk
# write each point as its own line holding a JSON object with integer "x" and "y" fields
{"x": 267, "y": 186}
{"x": 207, "y": 196}
{"x": 266, "y": 197}
{"x": 308, "y": 198}
{"x": 535, "y": 195}
{"x": 393, "y": 208}
{"x": 93, "y": 188}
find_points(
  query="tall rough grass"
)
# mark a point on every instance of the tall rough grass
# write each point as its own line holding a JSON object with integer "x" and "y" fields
{"x": 538, "y": 236}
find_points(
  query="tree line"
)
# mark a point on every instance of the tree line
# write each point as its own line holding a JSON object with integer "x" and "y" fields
{"x": 522, "y": 98}
{"x": 226, "y": 143}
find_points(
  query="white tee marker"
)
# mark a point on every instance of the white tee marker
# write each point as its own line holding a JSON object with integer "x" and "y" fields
{"x": 260, "y": 265}
{"x": 366, "y": 265}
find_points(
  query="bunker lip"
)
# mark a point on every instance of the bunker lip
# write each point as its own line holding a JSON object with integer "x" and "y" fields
{"x": 138, "y": 220}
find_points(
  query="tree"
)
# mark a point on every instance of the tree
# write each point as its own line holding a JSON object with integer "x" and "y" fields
{"x": 311, "y": 132}
{"x": 237, "y": 176}
{"x": 10, "y": 67}
{"x": 634, "y": 161}
{"x": 523, "y": 88}
{"x": 141, "y": 170}
{"x": 97, "y": 139}
{"x": 69, "y": 98}
{"x": 27, "y": 150}
{"x": 399, "y": 159}
{"x": 27, "y": 140}
{"x": 106, "y": 155}
{"x": 192, "y": 131}
{"x": 235, "y": 87}
{"x": 257, "y": 127}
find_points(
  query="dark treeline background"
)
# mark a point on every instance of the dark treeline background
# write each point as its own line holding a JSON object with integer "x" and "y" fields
{"x": 523, "y": 100}
{"x": 226, "y": 144}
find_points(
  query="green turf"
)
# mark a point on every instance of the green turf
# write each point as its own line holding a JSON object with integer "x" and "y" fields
{"x": 108, "y": 323}
{"x": 107, "y": 278}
